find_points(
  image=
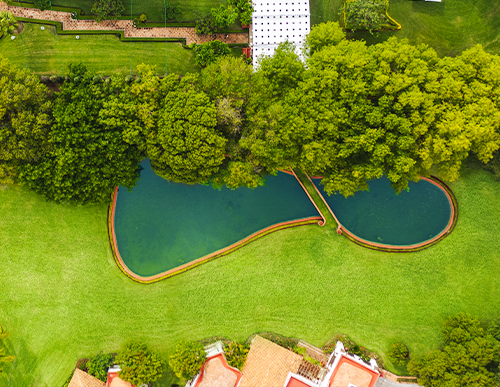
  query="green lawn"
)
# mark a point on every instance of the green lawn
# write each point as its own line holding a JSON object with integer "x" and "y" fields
{"x": 449, "y": 27}
{"x": 102, "y": 53}
{"x": 63, "y": 296}
{"x": 45, "y": 53}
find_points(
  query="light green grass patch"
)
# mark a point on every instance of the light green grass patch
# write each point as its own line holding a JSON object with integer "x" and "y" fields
{"x": 63, "y": 297}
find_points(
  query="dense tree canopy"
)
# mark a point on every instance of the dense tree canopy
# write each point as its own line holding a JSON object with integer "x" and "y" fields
{"x": 25, "y": 120}
{"x": 469, "y": 358}
{"x": 88, "y": 156}
{"x": 186, "y": 147}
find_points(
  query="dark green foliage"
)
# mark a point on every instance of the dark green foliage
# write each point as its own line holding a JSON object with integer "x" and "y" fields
{"x": 99, "y": 364}
{"x": 205, "y": 24}
{"x": 398, "y": 353}
{"x": 236, "y": 354}
{"x": 138, "y": 364}
{"x": 42, "y": 4}
{"x": 172, "y": 11}
{"x": 494, "y": 329}
{"x": 188, "y": 359}
{"x": 364, "y": 14}
{"x": 25, "y": 120}
{"x": 87, "y": 154}
{"x": 351, "y": 346}
{"x": 107, "y": 9}
{"x": 207, "y": 53}
{"x": 468, "y": 359}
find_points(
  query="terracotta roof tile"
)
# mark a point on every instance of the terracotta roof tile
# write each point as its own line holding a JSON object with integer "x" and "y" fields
{"x": 268, "y": 364}
{"x": 349, "y": 371}
{"x": 83, "y": 379}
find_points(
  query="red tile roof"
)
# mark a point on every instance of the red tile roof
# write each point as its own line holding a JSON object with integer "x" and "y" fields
{"x": 215, "y": 372}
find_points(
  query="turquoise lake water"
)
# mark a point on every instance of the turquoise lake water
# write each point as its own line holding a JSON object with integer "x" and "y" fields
{"x": 161, "y": 225}
{"x": 381, "y": 216}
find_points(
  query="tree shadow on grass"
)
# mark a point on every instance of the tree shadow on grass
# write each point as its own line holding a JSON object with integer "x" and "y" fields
{"x": 431, "y": 8}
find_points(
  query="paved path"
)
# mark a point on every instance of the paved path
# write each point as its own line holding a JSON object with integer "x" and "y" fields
{"x": 123, "y": 25}
{"x": 383, "y": 382}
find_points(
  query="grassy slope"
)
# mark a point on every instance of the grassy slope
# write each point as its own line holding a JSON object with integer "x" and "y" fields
{"x": 449, "y": 27}
{"x": 63, "y": 296}
{"x": 103, "y": 53}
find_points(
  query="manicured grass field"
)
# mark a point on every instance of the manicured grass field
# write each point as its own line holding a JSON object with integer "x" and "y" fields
{"x": 106, "y": 54}
{"x": 449, "y": 27}
{"x": 102, "y": 53}
{"x": 63, "y": 297}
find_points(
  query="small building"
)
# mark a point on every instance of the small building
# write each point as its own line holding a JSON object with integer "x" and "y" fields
{"x": 277, "y": 21}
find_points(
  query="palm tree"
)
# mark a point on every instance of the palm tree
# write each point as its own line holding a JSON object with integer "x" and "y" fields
{"x": 8, "y": 23}
{"x": 3, "y": 357}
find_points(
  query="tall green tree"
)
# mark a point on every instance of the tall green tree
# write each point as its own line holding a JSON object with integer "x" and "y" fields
{"x": 323, "y": 35}
{"x": 88, "y": 155}
{"x": 207, "y": 53}
{"x": 468, "y": 359}
{"x": 25, "y": 120}
{"x": 229, "y": 84}
{"x": 138, "y": 364}
{"x": 186, "y": 146}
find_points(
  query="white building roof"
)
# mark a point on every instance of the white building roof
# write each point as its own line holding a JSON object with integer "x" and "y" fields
{"x": 275, "y": 21}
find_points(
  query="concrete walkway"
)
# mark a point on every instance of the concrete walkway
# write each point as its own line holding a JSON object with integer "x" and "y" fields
{"x": 383, "y": 382}
{"x": 123, "y": 25}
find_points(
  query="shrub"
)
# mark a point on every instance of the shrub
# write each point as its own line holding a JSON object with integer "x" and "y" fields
{"x": 172, "y": 12}
{"x": 8, "y": 23}
{"x": 188, "y": 359}
{"x": 143, "y": 18}
{"x": 205, "y": 24}
{"x": 208, "y": 53}
{"x": 42, "y": 5}
{"x": 98, "y": 365}
{"x": 82, "y": 364}
{"x": 236, "y": 354}
{"x": 107, "y": 9}
{"x": 398, "y": 353}
{"x": 364, "y": 14}
{"x": 139, "y": 365}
